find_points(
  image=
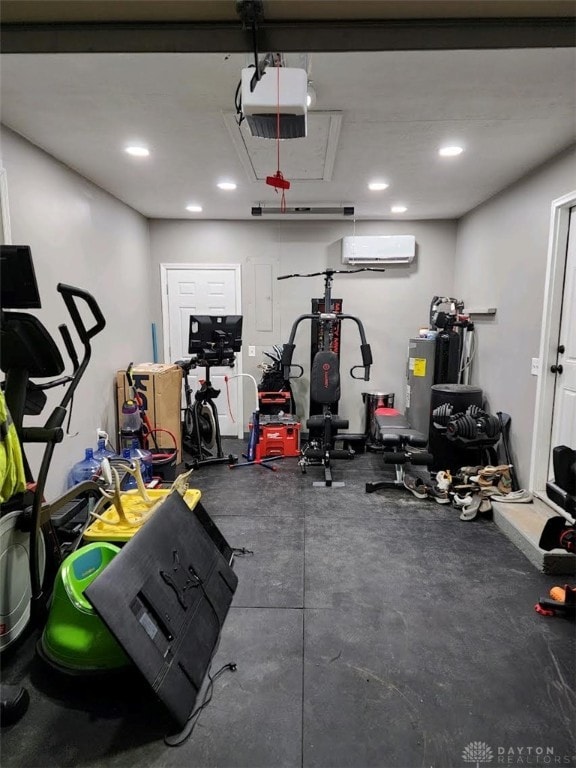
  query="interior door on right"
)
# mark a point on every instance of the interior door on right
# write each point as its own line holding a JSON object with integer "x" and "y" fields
{"x": 564, "y": 417}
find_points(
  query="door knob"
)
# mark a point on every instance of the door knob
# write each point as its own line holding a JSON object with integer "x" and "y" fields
{"x": 556, "y": 368}
{"x": 561, "y": 349}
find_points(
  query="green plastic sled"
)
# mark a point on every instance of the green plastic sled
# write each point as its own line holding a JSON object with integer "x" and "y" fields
{"x": 75, "y": 637}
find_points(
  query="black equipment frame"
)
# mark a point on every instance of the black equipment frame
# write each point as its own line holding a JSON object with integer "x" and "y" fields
{"x": 213, "y": 341}
{"x": 327, "y": 422}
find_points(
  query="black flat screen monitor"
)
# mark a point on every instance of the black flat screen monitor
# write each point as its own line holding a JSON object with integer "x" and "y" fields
{"x": 18, "y": 287}
{"x": 209, "y": 331}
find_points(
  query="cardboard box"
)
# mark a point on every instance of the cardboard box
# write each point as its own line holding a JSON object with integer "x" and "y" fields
{"x": 160, "y": 386}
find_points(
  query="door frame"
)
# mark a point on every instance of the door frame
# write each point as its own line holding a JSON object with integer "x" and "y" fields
{"x": 550, "y": 331}
{"x": 164, "y": 269}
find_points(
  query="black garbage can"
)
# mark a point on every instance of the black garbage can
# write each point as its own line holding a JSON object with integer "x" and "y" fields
{"x": 449, "y": 454}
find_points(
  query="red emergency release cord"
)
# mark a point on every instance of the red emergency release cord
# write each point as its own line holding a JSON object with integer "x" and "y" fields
{"x": 277, "y": 180}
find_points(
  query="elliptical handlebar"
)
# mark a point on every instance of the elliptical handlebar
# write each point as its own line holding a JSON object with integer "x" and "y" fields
{"x": 70, "y": 294}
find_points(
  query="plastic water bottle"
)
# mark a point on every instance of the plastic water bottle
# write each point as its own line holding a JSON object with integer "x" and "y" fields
{"x": 129, "y": 481}
{"x": 145, "y": 459}
{"x": 84, "y": 470}
{"x": 102, "y": 452}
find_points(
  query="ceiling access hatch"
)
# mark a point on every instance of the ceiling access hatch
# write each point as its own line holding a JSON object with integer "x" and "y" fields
{"x": 306, "y": 159}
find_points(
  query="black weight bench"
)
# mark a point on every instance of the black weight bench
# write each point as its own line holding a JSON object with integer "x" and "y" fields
{"x": 399, "y": 445}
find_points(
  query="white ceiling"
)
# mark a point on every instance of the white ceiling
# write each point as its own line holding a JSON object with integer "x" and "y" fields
{"x": 510, "y": 109}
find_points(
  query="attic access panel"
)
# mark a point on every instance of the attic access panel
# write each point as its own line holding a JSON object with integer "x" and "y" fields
{"x": 165, "y": 596}
{"x": 307, "y": 159}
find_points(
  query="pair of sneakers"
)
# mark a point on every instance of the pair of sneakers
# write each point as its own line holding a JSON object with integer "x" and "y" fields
{"x": 422, "y": 490}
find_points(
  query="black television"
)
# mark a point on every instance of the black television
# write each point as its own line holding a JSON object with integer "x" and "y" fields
{"x": 212, "y": 332}
{"x": 18, "y": 287}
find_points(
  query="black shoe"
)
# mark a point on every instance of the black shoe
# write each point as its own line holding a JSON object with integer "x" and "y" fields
{"x": 14, "y": 702}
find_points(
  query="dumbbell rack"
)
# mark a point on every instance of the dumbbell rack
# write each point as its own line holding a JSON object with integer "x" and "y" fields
{"x": 473, "y": 430}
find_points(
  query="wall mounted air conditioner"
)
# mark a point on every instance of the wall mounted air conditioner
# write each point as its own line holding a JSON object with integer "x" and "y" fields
{"x": 378, "y": 249}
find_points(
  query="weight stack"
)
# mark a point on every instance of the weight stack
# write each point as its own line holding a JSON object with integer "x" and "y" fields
{"x": 450, "y": 454}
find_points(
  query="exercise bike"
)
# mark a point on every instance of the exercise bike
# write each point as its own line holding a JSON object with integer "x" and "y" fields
{"x": 30, "y": 551}
{"x": 325, "y": 378}
{"x": 213, "y": 342}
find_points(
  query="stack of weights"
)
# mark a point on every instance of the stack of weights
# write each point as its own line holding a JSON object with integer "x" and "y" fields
{"x": 450, "y": 454}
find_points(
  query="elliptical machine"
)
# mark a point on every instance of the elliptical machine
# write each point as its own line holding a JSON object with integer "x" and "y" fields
{"x": 30, "y": 552}
{"x": 325, "y": 378}
{"x": 213, "y": 342}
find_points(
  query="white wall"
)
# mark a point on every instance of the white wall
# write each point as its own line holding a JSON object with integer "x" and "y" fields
{"x": 83, "y": 236}
{"x": 501, "y": 261}
{"x": 392, "y": 306}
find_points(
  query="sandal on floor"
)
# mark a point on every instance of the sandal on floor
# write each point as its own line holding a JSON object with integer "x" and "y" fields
{"x": 462, "y": 501}
{"x": 514, "y": 497}
{"x": 470, "y": 511}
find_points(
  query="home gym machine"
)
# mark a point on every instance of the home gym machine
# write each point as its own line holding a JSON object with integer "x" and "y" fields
{"x": 31, "y": 549}
{"x": 325, "y": 377}
{"x": 213, "y": 341}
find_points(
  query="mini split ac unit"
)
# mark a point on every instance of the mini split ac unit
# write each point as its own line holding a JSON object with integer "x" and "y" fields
{"x": 378, "y": 249}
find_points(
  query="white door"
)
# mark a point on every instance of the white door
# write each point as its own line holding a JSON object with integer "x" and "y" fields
{"x": 564, "y": 420}
{"x": 203, "y": 290}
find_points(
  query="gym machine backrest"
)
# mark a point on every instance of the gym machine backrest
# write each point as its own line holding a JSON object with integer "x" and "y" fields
{"x": 28, "y": 351}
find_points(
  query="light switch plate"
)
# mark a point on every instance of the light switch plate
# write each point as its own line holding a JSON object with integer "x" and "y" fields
{"x": 535, "y": 368}
{"x": 251, "y": 351}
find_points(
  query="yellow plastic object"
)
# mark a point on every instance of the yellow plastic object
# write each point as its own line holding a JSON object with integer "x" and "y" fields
{"x": 110, "y": 528}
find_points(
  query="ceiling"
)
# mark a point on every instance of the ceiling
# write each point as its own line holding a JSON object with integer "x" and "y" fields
{"x": 388, "y": 114}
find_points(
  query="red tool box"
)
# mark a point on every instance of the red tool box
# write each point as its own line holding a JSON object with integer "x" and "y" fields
{"x": 274, "y": 402}
{"x": 279, "y": 438}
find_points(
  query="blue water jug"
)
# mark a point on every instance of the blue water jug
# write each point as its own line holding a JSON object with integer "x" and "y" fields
{"x": 129, "y": 481}
{"x": 145, "y": 459}
{"x": 84, "y": 470}
{"x": 102, "y": 452}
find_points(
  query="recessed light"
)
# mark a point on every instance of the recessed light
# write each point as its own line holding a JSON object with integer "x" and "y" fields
{"x": 377, "y": 186}
{"x": 227, "y": 185}
{"x": 137, "y": 151}
{"x": 398, "y": 209}
{"x": 452, "y": 151}
{"x": 194, "y": 208}
{"x": 310, "y": 95}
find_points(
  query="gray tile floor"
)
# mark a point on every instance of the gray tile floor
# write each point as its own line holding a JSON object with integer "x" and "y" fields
{"x": 369, "y": 630}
